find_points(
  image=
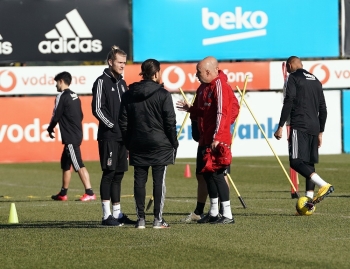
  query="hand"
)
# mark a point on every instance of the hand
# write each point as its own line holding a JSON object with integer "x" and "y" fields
{"x": 50, "y": 133}
{"x": 278, "y": 133}
{"x": 213, "y": 145}
{"x": 320, "y": 140}
{"x": 182, "y": 105}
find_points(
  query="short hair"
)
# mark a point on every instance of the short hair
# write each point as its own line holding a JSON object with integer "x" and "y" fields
{"x": 115, "y": 50}
{"x": 291, "y": 58}
{"x": 149, "y": 68}
{"x": 65, "y": 76}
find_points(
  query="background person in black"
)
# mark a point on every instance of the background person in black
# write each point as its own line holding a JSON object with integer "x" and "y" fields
{"x": 68, "y": 113}
{"x": 148, "y": 124}
{"x": 305, "y": 103}
{"x": 106, "y": 96}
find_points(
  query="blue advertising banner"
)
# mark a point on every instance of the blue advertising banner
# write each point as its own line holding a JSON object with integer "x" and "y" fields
{"x": 174, "y": 30}
{"x": 346, "y": 120}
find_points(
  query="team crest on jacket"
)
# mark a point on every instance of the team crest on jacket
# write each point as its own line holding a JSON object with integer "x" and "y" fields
{"x": 113, "y": 89}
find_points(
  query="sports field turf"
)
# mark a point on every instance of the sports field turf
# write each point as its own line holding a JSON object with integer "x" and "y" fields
{"x": 267, "y": 234}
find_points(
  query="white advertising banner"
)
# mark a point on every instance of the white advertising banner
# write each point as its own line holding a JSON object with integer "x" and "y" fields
{"x": 29, "y": 80}
{"x": 266, "y": 107}
{"x": 332, "y": 74}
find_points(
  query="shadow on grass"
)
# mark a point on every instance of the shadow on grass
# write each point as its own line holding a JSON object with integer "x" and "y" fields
{"x": 54, "y": 224}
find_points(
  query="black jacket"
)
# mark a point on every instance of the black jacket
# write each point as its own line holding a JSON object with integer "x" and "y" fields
{"x": 68, "y": 113}
{"x": 106, "y": 97}
{"x": 305, "y": 103}
{"x": 148, "y": 123}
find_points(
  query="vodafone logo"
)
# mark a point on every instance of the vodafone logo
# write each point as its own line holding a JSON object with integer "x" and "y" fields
{"x": 173, "y": 77}
{"x": 8, "y": 81}
{"x": 321, "y": 72}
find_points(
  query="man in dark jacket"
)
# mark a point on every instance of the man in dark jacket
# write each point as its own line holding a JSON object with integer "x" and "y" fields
{"x": 148, "y": 124}
{"x": 304, "y": 102}
{"x": 106, "y": 97}
{"x": 68, "y": 113}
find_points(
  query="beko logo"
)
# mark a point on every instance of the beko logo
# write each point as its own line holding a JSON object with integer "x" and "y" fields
{"x": 254, "y": 22}
{"x": 5, "y": 47}
{"x": 68, "y": 37}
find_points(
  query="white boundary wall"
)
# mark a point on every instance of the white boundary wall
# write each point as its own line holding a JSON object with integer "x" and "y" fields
{"x": 266, "y": 107}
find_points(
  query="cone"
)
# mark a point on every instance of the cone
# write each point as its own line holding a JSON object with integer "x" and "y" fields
{"x": 187, "y": 173}
{"x": 13, "y": 218}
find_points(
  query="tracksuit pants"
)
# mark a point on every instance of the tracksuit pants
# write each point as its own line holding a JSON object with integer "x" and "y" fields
{"x": 140, "y": 180}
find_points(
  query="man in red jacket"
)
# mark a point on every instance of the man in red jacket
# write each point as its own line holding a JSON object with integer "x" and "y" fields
{"x": 219, "y": 110}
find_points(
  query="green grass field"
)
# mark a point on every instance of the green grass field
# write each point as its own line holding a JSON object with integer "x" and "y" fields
{"x": 267, "y": 234}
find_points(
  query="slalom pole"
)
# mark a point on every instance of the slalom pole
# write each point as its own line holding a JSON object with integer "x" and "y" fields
{"x": 240, "y": 105}
{"x": 262, "y": 131}
{"x": 233, "y": 135}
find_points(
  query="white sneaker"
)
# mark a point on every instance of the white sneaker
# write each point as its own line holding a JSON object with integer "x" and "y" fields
{"x": 192, "y": 217}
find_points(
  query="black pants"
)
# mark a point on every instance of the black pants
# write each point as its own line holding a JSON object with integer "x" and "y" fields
{"x": 140, "y": 180}
{"x": 217, "y": 185}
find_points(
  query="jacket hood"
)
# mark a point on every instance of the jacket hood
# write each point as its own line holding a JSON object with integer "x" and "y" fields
{"x": 108, "y": 73}
{"x": 144, "y": 88}
{"x": 221, "y": 76}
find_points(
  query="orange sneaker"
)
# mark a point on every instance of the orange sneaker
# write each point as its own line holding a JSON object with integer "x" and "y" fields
{"x": 87, "y": 197}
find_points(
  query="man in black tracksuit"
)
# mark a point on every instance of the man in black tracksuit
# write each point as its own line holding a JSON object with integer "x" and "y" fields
{"x": 68, "y": 113}
{"x": 148, "y": 124}
{"x": 305, "y": 103}
{"x": 107, "y": 92}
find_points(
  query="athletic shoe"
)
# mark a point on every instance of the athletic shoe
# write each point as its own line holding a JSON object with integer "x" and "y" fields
{"x": 111, "y": 221}
{"x": 125, "y": 220}
{"x": 59, "y": 197}
{"x": 141, "y": 223}
{"x": 207, "y": 218}
{"x": 160, "y": 224}
{"x": 323, "y": 192}
{"x": 87, "y": 197}
{"x": 192, "y": 217}
{"x": 223, "y": 220}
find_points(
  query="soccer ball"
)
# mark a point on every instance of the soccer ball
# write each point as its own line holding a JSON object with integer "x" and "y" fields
{"x": 304, "y": 206}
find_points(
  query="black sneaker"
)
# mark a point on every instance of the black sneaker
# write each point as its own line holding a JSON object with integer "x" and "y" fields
{"x": 223, "y": 220}
{"x": 111, "y": 221}
{"x": 207, "y": 218}
{"x": 125, "y": 220}
{"x": 160, "y": 224}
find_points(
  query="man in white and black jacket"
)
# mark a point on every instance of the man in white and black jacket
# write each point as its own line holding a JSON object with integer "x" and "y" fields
{"x": 107, "y": 92}
{"x": 148, "y": 124}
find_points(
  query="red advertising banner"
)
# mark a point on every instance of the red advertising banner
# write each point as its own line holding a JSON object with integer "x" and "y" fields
{"x": 23, "y": 135}
{"x": 175, "y": 76}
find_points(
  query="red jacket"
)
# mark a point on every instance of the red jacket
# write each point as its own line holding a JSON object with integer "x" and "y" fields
{"x": 218, "y": 107}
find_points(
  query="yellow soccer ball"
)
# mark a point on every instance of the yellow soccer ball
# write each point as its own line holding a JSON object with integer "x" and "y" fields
{"x": 304, "y": 206}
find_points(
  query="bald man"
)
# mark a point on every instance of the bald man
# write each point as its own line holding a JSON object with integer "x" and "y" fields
{"x": 218, "y": 109}
{"x": 305, "y": 103}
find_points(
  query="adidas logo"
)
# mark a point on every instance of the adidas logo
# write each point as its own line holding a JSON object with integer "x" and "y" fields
{"x": 309, "y": 76}
{"x": 5, "y": 47}
{"x": 69, "y": 33}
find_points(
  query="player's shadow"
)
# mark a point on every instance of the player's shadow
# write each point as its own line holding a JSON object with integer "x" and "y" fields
{"x": 53, "y": 224}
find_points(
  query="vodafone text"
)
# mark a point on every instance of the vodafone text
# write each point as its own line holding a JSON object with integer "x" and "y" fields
{"x": 35, "y": 132}
{"x": 49, "y": 80}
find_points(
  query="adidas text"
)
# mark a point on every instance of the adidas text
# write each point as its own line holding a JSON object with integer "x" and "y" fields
{"x": 70, "y": 46}
{"x": 5, "y": 48}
